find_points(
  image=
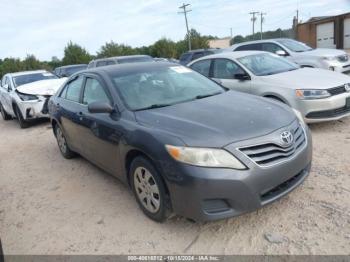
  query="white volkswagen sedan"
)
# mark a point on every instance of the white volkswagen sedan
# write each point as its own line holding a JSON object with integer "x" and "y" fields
{"x": 24, "y": 95}
{"x": 318, "y": 94}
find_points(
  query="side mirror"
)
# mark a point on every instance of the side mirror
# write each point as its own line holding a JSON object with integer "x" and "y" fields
{"x": 281, "y": 53}
{"x": 100, "y": 107}
{"x": 242, "y": 77}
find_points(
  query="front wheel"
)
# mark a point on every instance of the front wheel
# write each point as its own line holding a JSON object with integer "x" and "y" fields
{"x": 22, "y": 122}
{"x": 62, "y": 144}
{"x": 4, "y": 114}
{"x": 149, "y": 189}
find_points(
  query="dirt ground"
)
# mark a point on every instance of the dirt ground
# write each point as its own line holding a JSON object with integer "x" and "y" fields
{"x": 49, "y": 205}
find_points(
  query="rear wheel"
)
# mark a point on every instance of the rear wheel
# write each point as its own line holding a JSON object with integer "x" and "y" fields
{"x": 149, "y": 189}
{"x": 62, "y": 144}
{"x": 22, "y": 122}
{"x": 4, "y": 114}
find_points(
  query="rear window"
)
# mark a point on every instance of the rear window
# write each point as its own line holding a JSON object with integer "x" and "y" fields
{"x": 135, "y": 60}
{"x": 30, "y": 78}
{"x": 185, "y": 56}
{"x": 249, "y": 47}
{"x": 71, "y": 70}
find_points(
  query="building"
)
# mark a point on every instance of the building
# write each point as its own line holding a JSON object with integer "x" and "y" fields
{"x": 220, "y": 43}
{"x": 325, "y": 31}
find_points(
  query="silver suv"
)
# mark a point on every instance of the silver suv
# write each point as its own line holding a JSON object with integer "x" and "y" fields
{"x": 300, "y": 53}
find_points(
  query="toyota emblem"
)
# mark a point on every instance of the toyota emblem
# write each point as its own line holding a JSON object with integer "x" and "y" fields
{"x": 287, "y": 138}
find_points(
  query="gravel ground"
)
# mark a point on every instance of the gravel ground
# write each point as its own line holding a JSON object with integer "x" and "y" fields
{"x": 49, "y": 205}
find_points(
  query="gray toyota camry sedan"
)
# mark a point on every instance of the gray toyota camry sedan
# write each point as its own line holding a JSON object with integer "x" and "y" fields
{"x": 183, "y": 143}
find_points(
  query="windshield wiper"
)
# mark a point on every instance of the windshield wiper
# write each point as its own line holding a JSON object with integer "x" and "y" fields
{"x": 153, "y": 106}
{"x": 207, "y": 95}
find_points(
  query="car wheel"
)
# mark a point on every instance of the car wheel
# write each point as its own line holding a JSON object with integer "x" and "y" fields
{"x": 62, "y": 144}
{"x": 4, "y": 114}
{"x": 20, "y": 118}
{"x": 149, "y": 189}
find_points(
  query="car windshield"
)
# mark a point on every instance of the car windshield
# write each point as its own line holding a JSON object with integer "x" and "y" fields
{"x": 135, "y": 59}
{"x": 294, "y": 46}
{"x": 163, "y": 86}
{"x": 266, "y": 64}
{"x": 29, "y": 78}
{"x": 71, "y": 70}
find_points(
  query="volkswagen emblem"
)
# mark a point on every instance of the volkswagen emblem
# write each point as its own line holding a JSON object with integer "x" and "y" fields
{"x": 347, "y": 87}
{"x": 286, "y": 138}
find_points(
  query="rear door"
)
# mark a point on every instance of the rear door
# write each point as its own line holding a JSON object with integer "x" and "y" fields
{"x": 68, "y": 103}
{"x": 101, "y": 132}
{"x": 224, "y": 71}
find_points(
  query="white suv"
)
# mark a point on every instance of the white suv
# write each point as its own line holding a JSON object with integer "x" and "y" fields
{"x": 300, "y": 53}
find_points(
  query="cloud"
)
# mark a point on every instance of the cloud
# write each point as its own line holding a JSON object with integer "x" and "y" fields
{"x": 44, "y": 27}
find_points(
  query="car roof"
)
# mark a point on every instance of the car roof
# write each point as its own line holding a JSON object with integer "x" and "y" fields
{"x": 27, "y": 72}
{"x": 201, "y": 50}
{"x": 130, "y": 67}
{"x": 260, "y": 41}
{"x": 232, "y": 55}
{"x": 120, "y": 57}
{"x": 67, "y": 66}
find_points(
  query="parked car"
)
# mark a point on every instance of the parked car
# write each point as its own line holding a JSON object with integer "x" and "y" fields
{"x": 182, "y": 142}
{"x": 68, "y": 70}
{"x": 189, "y": 56}
{"x": 319, "y": 95}
{"x": 162, "y": 59}
{"x": 300, "y": 53}
{"x": 120, "y": 60}
{"x": 25, "y": 95}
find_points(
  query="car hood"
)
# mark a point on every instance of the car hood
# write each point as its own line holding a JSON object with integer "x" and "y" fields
{"x": 307, "y": 78}
{"x": 42, "y": 87}
{"x": 218, "y": 120}
{"x": 324, "y": 52}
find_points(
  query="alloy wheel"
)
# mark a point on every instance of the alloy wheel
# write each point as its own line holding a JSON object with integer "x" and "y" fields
{"x": 61, "y": 140}
{"x": 147, "y": 189}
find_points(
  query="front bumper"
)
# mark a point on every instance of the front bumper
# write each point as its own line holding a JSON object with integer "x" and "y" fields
{"x": 320, "y": 110}
{"x": 34, "y": 109}
{"x": 215, "y": 193}
{"x": 341, "y": 67}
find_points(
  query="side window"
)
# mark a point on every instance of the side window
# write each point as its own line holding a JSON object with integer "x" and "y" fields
{"x": 271, "y": 47}
{"x": 185, "y": 56}
{"x": 101, "y": 63}
{"x": 4, "y": 81}
{"x": 72, "y": 90}
{"x": 226, "y": 69}
{"x": 94, "y": 92}
{"x": 110, "y": 62}
{"x": 202, "y": 67}
{"x": 249, "y": 47}
{"x": 197, "y": 55}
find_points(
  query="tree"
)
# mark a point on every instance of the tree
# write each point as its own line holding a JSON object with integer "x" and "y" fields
{"x": 31, "y": 63}
{"x": 113, "y": 49}
{"x": 198, "y": 41}
{"x": 164, "y": 48}
{"x": 237, "y": 39}
{"x": 75, "y": 54}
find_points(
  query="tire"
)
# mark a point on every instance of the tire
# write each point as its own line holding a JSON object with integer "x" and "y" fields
{"x": 4, "y": 114}
{"x": 62, "y": 144}
{"x": 149, "y": 189}
{"x": 22, "y": 123}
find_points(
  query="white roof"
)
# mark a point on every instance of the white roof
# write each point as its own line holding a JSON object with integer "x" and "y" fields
{"x": 27, "y": 73}
{"x": 231, "y": 54}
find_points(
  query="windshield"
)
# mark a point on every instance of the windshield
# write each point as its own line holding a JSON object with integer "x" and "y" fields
{"x": 294, "y": 46}
{"x": 267, "y": 64}
{"x": 163, "y": 86}
{"x": 26, "y": 79}
{"x": 135, "y": 60}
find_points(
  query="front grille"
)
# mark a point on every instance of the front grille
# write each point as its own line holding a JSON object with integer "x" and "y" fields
{"x": 343, "y": 58}
{"x": 272, "y": 153}
{"x": 329, "y": 113}
{"x": 337, "y": 90}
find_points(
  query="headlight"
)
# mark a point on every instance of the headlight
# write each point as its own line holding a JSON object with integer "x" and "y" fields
{"x": 311, "y": 94}
{"x": 205, "y": 157}
{"x": 26, "y": 97}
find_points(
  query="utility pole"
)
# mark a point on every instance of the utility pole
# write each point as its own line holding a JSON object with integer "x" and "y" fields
{"x": 297, "y": 16}
{"x": 253, "y": 19}
{"x": 231, "y": 32}
{"x": 262, "y": 19}
{"x": 185, "y": 11}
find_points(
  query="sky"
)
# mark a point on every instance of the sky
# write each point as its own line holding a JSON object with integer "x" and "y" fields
{"x": 44, "y": 27}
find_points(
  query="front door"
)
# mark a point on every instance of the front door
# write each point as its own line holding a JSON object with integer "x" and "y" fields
{"x": 101, "y": 131}
{"x": 224, "y": 71}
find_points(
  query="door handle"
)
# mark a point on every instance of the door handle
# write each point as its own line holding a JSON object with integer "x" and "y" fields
{"x": 80, "y": 114}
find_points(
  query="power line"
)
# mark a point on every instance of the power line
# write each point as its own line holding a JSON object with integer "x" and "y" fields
{"x": 253, "y": 19}
{"x": 184, "y": 6}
